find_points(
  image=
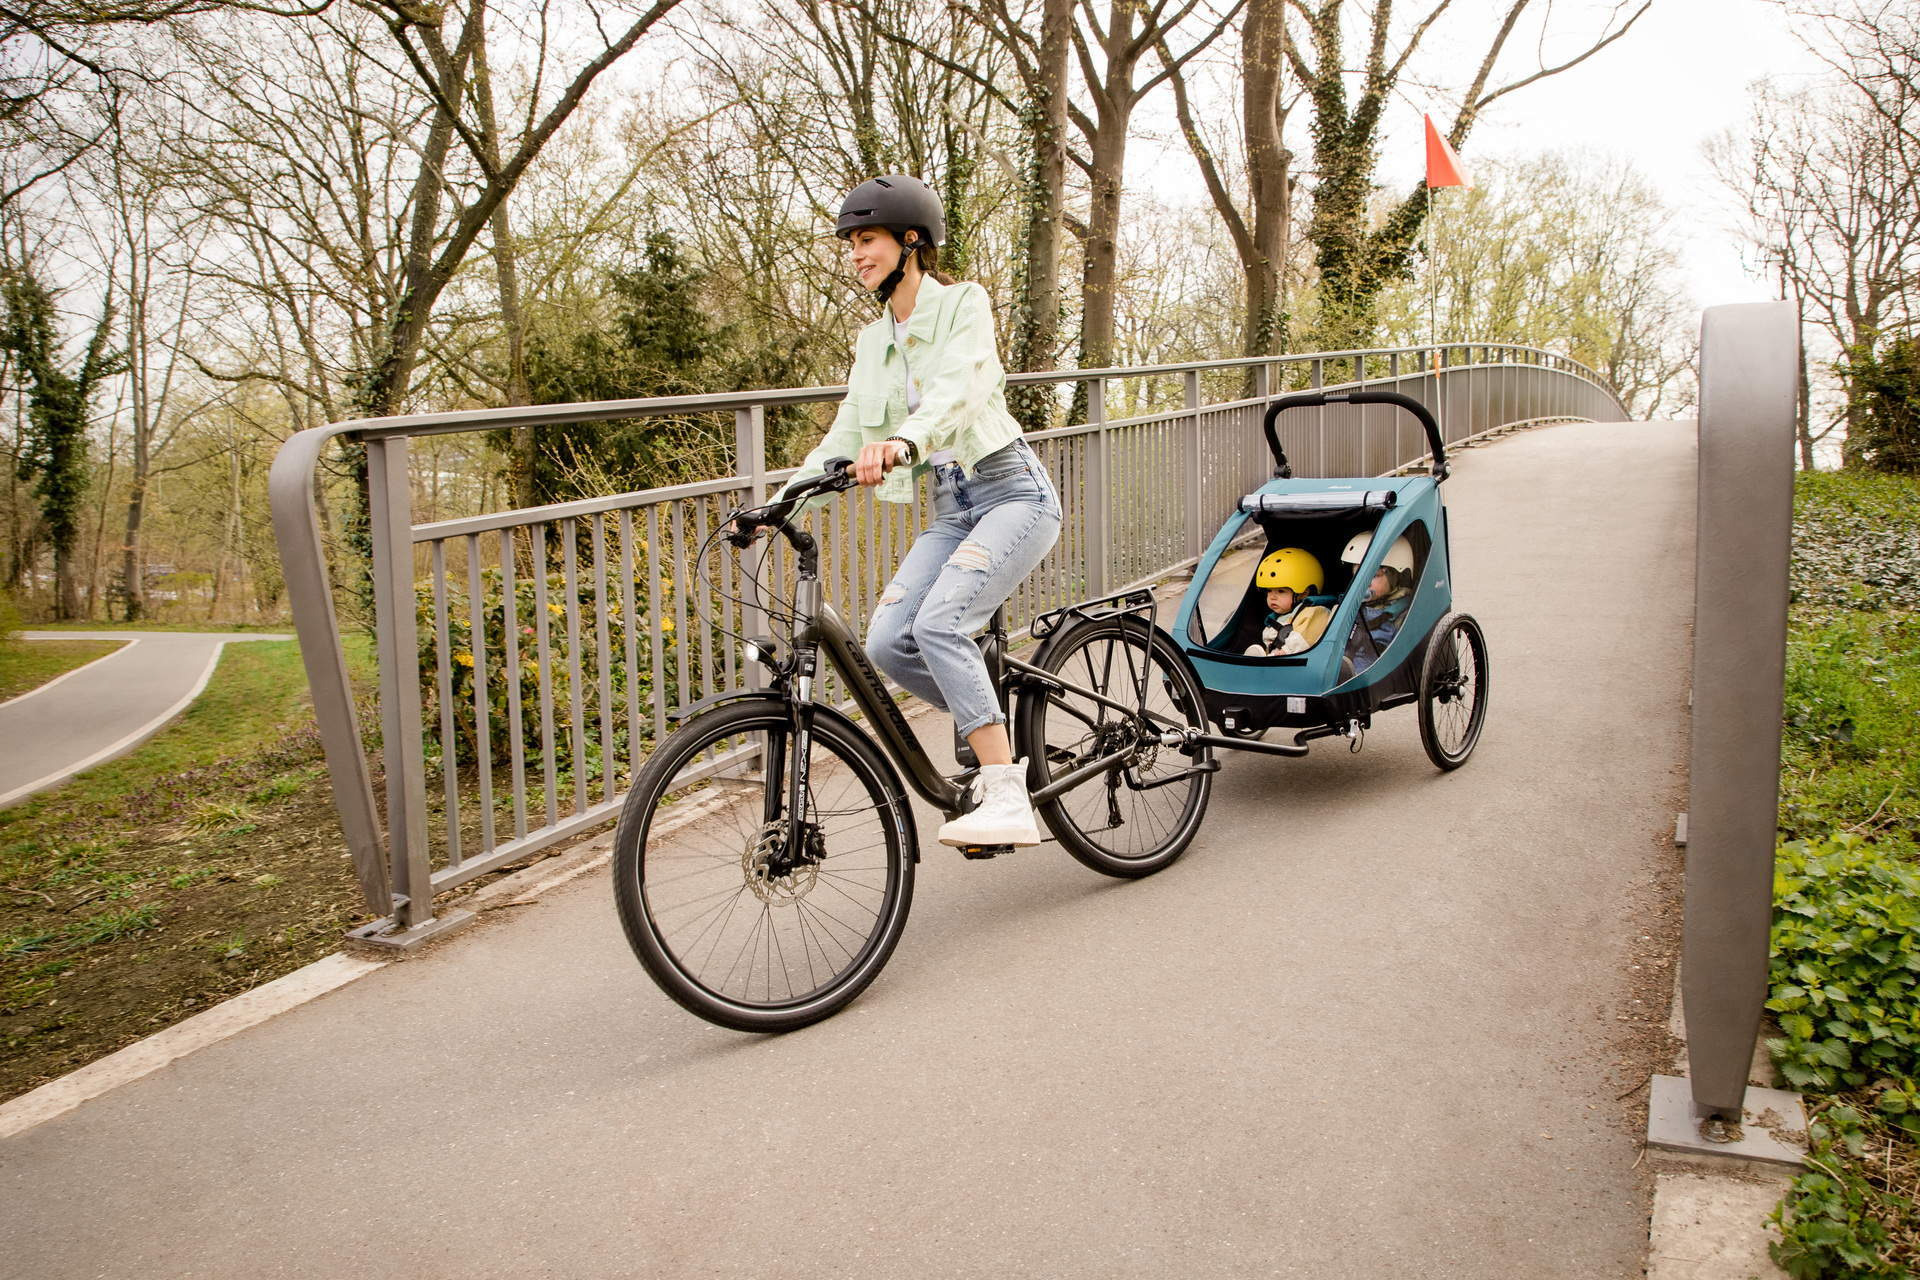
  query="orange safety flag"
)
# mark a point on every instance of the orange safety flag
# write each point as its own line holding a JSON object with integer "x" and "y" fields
{"x": 1443, "y": 167}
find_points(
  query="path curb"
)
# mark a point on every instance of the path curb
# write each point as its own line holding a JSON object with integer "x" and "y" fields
{"x": 269, "y": 1000}
{"x": 143, "y": 1057}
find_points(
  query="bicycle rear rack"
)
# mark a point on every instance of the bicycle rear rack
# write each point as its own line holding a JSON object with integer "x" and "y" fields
{"x": 1138, "y": 600}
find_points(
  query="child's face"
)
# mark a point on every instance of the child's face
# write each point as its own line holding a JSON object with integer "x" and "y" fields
{"x": 1380, "y": 586}
{"x": 1281, "y": 600}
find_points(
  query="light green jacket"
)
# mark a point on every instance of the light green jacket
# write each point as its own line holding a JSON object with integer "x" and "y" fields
{"x": 963, "y": 388}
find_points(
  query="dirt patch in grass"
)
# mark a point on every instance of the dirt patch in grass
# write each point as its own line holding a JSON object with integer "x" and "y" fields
{"x": 200, "y": 866}
{"x": 27, "y": 664}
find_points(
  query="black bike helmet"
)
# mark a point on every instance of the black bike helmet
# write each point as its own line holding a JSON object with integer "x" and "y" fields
{"x": 897, "y": 202}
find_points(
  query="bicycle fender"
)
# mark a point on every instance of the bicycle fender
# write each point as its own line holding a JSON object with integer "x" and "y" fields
{"x": 715, "y": 699}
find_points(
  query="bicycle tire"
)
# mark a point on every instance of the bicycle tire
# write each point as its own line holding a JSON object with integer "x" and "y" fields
{"x": 679, "y": 894}
{"x": 1166, "y": 795}
{"x": 1453, "y": 691}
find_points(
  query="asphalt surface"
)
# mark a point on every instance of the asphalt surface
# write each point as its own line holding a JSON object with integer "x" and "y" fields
{"x": 106, "y": 708}
{"x": 1367, "y": 1027}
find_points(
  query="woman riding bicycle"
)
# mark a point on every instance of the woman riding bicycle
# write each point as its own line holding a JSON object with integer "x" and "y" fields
{"x": 927, "y": 390}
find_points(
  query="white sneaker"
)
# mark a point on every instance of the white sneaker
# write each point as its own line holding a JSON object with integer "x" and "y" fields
{"x": 1004, "y": 814}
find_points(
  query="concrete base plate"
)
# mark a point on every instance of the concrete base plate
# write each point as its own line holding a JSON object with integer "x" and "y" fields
{"x": 382, "y": 934}
{"x": 1773, "y": 1128}
{"x": 1713, "y": 1228}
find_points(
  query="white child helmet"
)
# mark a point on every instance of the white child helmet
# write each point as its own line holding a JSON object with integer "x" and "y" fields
{"x": 1399, "y": 555}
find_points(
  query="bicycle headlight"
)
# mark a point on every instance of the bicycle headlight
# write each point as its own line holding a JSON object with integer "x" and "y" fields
{"x": 761, "y": 649}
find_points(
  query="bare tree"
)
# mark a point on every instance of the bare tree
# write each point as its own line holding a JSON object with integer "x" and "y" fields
{"x": 1110, "y": 53}
{"x": 1262, "y": 234}
{"x": 1830, "y": 179}
{"x": 444, "y": 71}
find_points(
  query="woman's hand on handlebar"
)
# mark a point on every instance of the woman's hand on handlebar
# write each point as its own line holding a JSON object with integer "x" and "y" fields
{"x": 877, "y": 459}
{"x": 743, "y": 530}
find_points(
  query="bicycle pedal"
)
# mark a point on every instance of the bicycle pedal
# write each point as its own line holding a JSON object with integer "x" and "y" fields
{"x": 978, "y": 851}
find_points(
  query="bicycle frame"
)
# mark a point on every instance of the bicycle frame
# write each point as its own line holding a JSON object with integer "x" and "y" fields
{"x": 821, "y": 628}
{"x": 828, "y": 631}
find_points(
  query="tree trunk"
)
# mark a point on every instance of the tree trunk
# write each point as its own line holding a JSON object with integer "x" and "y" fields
{"x": 1101, "y": 269}
{"x": 1270, "y": 178}
{"x": 506, "y": 263}
{"x": 1036, "y": 328}
{"x": 66, "y": 584}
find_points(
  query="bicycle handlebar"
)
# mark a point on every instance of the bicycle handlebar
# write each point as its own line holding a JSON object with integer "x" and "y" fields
{"x": 778, "y": 515}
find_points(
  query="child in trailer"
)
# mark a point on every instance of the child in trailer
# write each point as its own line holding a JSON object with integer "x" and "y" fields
{"x": 1292, "y": 625}
{"x": 1388, "y": 595}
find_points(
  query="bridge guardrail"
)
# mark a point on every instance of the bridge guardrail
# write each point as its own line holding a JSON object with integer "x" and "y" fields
{"x": 607, "y": 642}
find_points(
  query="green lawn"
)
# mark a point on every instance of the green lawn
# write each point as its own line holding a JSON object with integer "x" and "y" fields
{"x": 201, "y": 865}
{"x": 28, "y": 664}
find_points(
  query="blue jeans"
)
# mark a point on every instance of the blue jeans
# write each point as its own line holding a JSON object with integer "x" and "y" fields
{"x": 990, "y": 530}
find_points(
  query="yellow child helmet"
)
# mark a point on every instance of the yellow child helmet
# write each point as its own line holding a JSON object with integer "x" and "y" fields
{"x": 1290, "y": 569}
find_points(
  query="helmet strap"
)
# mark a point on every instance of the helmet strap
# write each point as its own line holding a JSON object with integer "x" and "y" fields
{"x": 898, "y": 273}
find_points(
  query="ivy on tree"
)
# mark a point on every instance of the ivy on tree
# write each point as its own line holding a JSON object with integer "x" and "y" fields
{"x": 55, "y": 449}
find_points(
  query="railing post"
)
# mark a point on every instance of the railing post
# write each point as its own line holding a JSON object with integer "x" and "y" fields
{"x": 1263, "y": 393}
{"x": 397, "y": 644}
{"x": 1317, "y": 378}
{"x": 1099, "y": 492}
{"x": 1196, "y": 540}
{"x": 750, "y": 464}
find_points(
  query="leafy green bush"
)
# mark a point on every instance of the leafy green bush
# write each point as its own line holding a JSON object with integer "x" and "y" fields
{"x": 1846, "y": 964}
{"x": 1845, "y": 972}
{"x": 627, "y": 685}
{"x": 1883, "y": 393}
{"x": 1842, "y": 1216}
{"x": 1856, "y": 543}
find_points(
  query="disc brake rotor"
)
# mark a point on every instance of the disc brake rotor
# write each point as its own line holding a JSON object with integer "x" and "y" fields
{"x": 764, "y": 864}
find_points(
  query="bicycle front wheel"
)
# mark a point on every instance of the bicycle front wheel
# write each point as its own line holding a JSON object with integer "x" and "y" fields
{"x": 1138, "y": 816}
{"x": 748, "y": 913}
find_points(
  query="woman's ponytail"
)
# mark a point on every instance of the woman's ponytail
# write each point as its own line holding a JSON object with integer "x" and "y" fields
{"x": 928, "y": 256}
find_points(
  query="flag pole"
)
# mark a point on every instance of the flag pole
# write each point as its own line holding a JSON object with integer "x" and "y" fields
{"x": 1433, "y": 279}
{"x": 1443, "y": 170}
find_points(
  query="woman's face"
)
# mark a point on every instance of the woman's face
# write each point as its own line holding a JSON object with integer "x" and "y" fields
{"x": 875, "y": 253}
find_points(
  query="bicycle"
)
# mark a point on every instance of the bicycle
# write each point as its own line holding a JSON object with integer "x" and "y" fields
{"x": 783, "y": 893}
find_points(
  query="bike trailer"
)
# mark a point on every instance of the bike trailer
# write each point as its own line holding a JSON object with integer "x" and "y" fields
{"x": 1368, "y": 656}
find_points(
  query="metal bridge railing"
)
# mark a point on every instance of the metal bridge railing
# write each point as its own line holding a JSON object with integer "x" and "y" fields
{"x": 528, "y": 658}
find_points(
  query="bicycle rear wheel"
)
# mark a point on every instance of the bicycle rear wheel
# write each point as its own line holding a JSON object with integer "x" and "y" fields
{"x": 1138, "y": 817}
{"x": 734, "y": 917}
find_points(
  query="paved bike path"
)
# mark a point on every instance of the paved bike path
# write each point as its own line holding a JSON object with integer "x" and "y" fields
{"x": 106, "y": 708}
{"x": 1368, "y": 1027}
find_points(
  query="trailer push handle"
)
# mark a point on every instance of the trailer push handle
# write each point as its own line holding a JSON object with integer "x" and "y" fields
{"x": 1315, "y": 399}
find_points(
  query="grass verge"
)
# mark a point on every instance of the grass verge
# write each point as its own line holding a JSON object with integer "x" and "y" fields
{"x": 1845, "y": 976}
{"x": 201, "y": 865}
{"x": 28, "y": 664}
